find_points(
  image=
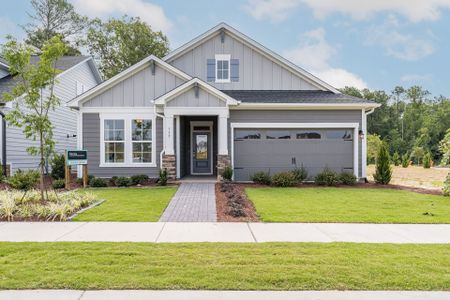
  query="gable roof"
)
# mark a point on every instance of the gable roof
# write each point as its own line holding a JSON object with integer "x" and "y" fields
{"x": 124, "y": 75}
{"x": 63, "y": 64}
{"x": 188, "y": 85}
{"x": 254, "y": 45}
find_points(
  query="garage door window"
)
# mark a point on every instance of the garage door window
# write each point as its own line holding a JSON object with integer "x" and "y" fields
{"x": 339, "y": 134}
{"x": 309, "y": 135}
{"x": 248, "y": 134}
{"x": 278, "y": 134}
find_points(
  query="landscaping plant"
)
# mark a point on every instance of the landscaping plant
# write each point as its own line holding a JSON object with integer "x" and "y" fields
{"x": 261, "y": 177}
{"x": 58, "y": 163}
{"x": 138, "y": 179}
{"x": 300, "y": 174}
{"x": 284, "y": 179}
{"x": 24, "y": 180}
{"x": 396, "y": 159}
{"x": 227, "y": 173}
{"x": 97, "y": 182}
{"x": 446, "y": 188}
{"x": 327, "y": 177}
{"x": 163, "y": 177}
{"x": 383, "y": 170}
{"x": 405, "y": 160}
{"x": 427, "y": 160}
{"x": 347, "y": 178}
{"x": 58, "y": 184}
{"x": 123, "y": 181}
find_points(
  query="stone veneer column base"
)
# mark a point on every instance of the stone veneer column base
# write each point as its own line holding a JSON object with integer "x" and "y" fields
{"x": 222, "y": 162}
{"x": 169, "y": 163}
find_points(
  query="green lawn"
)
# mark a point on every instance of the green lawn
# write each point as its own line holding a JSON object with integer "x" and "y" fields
{"x": 268, "y": 266}
{"x": 359, "y": 205}
{"x": 129, "y": 204}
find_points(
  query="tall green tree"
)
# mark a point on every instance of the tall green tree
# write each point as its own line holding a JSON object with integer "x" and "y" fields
{"x": 55, "y": 17}
{"x": 383, "y": 170}
{"x": 31, "y": 104}
{"x": 120, "y": 43}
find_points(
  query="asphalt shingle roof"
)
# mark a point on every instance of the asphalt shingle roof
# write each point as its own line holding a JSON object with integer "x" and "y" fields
{"x": 291, "y": 96}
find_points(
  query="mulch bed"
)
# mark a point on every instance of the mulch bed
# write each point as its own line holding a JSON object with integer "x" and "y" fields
{"x": 232, "y": 204}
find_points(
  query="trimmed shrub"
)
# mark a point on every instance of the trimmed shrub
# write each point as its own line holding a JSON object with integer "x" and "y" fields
{"x": 261, "y": 178}
{"x": 327, "y": 177}
{"x": 227, "y": 173}
{"x": 426, "y": 160}
{"x": 383, "y": 170}
{"x": 24, "y": 180}
{"x": 97, "y": 182}
{"x": 112, "y": 180}
{"x": 163, "y": 177}
{"x": 2, "y": 177}
{"x": 446, "y": 188}
{"x": 80, "y": 180}
{"x": 405, "y": 160}
{"x": 122, "y": 181}
{"x": 300, "y": 174}
{"x": 58, "y": 184}
{"x": 139, "y": 179}
{"x": 396, "y": 159}
{"x": 58, "y": 164}
{"x": 347, "y": 178}
{"x": 284, "y": 179}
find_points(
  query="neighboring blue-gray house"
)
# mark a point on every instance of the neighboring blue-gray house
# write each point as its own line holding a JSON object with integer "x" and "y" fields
{"x": 220, "y": 99}
{"x": 78, "y": 74}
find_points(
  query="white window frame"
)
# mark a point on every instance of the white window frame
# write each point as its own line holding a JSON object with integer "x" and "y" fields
{"x": 128, "y": 156}
{"x": 223, "y": 57}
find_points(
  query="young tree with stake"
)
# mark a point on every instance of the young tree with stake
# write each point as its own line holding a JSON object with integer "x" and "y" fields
{"x": 32, "y": 105}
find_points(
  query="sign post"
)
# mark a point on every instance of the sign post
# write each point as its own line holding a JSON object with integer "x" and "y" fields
{"x": 75, "y": 158}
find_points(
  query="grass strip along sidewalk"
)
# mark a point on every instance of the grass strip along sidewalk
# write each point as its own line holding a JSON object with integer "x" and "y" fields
{"x": 268, "y": 266}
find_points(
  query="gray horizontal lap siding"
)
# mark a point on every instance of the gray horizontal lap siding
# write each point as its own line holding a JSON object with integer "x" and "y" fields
{"x": 296, "y": 116}
{"x": 256, "y": 72}
{"x": 92, "y": 143}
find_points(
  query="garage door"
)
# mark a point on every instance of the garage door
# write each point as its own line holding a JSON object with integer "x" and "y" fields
{"x": 275, "y": 150}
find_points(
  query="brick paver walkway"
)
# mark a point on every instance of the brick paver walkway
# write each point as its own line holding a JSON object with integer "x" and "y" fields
{"x": 193, "y": 202}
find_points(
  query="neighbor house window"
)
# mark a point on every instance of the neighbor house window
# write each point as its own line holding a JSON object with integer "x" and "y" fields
{"x": 309, "y": 135}
{"x": 223, "y": 68}
{"x": 278, "y": 134}
{"x": 141, "y": 133}
{"x": 339, "y": 134}
{"x": 114, "y": 141}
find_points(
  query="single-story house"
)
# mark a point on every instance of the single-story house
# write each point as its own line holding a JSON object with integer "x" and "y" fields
{"x": 221, "y": 99}
{"x": 77, "y": 74}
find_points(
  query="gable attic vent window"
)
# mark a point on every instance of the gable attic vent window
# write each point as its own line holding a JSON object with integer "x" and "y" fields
{"x": 223, "y": 68}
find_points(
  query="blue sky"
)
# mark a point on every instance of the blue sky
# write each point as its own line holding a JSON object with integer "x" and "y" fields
{"x": 375, "y": 44}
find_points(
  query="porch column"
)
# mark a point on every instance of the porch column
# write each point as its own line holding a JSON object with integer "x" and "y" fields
{"x": 169, "y": 135}
{"x": 223, "y": 135}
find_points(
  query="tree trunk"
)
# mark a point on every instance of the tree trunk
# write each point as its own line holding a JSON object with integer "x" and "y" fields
{"x": 41, "y": 166}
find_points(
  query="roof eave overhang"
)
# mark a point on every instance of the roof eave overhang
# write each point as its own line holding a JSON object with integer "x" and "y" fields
{"x": 306, "y": 106}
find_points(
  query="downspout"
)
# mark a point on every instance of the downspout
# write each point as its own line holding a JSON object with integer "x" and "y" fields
{"x": 161, "y": 154}
{"x": 3, "y": 143}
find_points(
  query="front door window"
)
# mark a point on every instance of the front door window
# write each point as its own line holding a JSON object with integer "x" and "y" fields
{"x": 202, "y": 147}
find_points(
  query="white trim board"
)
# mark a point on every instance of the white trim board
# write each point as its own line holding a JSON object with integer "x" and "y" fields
{"x": 355, "y": 127}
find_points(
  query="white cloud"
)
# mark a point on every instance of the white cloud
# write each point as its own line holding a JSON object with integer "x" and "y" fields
{"x": 413, "y": 10}
{"x": 415, "y": 77}
{"x": 315, "y": 54}
{"x": 151, "y": 13}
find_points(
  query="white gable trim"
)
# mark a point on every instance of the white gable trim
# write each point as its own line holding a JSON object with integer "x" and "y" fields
{"x": 124, "y": 75}
{"x": 187, "y": 85}
{"x": 255, "y": 46}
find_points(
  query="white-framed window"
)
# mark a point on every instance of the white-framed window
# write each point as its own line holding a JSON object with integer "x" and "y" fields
{"x": 127, "y": 140}
{"x": 223, "y": 68}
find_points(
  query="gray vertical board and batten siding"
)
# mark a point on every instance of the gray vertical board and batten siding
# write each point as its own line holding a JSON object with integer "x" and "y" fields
{"x": 189, "y": 99}
{"x": 92, "y": 143}
{"x": 137, "y": 90}
{"x": 297, "y": 116}
{"x": 256, "y": 72}
{"x": 63, "y": 119}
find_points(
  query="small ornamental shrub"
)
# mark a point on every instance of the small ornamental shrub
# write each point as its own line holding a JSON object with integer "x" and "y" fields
{"x": 122, "y": 181}
{"x": 58, "y": 184}
{"x": 327, "y": 177}
{"x": 261, "y": 178}
{"x": 446, "y": 188}
{"x": 58, "y": 165}
{"x": 383, "y": 170}
{"x": 405, "y": 160}
{"x": 300, "y": 174}
{"x": 347, "y": 178}
{"x": 112, "y": 180}
{"x": 97, "y": 182}
{"x": 2, "y": 177}
{"x": 163, "y": 177}
{"x": 284, "y": 179}
{"x": 426, "y": 160}
{"x": 139, "y": 179}
{"x": 227, "y": 173}
{"x": 24, "y": 180}
{"x": 80, "y": 180}
{"x": 396, "y": 159}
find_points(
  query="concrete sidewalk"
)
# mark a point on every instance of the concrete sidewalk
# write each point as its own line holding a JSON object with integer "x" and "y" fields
{"x": 160, "y": 232}
{"x": 220, "y": 295}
